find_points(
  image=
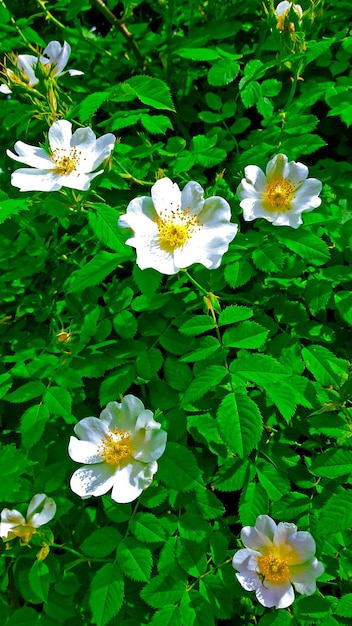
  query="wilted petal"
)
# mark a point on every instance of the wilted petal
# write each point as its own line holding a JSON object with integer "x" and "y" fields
{"x": 10, "y": 518}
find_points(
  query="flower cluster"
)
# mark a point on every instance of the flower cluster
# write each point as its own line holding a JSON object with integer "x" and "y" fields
{"x": 276, "y": 557}
{"x": 120, "y": 450}
{"x": 41, "y": 510}
{"x": 282, "y": 12}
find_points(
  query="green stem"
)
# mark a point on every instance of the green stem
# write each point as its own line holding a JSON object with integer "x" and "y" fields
{"x": 80, "y": 556}
{"x": 203, "y": 291}
{"x": 49, "y": 16}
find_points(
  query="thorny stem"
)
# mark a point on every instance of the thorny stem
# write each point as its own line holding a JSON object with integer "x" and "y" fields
{"x": 119, "y": 25}
{"x": 49, "y": 16}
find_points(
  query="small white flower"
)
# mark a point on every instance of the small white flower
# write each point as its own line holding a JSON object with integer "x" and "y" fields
{"x": 274, "y": 557}
{"x": 54, "y": 56}
{"x": 121, "y": 449}
{"x": 281, "y": 195}
{"x": 41, "y": 510}
{"x": 174, "y": 229}
{"x": 282, "y": 10}
{"x": 69, "y": 163}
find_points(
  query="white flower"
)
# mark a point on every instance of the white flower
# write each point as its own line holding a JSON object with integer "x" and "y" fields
{"x": 282, "y": 10}
{"x": 175, "y": 229}
{"x": 281, "y": 195}
{"x": 120, "y": 448}
{"x": 54, "y": 58}
{"x": 41, "y": 510}
{"x": 69, "y": 163}
{"x": 274, "y": 557}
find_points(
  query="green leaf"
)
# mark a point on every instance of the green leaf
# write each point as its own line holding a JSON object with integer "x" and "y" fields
{"x": 343, "y": 301}
{"x": 344, "y": 607}
{"x": 206, "y": 346}
{"x": 239, "y": 273}
{"x": 275, "y": 483}
{"x": 253, "y": 502}
{"x": 134, "y": 559}
{"x": 24, "y": 617}
{"x": 245, "y": 335}
{"x": 306, "y": 245}
{"x": 240, "y": 423}
{"x": 91, "y": 104}
{"x": 26, "y": 392}
{"x": 223, "y": 72}
{"x": 206, "y": 380}
{"x": 146, "y": 527}
{"x": 234, "y": 313}
{"x": 232, "y": 475}
{"x": 196, "y": 610}
{"x": 197, "y": 325}
{"x": 104, "y": 224}
{"x": 149, "y": 363}
{"x": 163, "y": 590}
{"x": 317, "y": 294}
{"x": 326, "y": 368}
{"x": 332, "y": 463}
{"x": 96, "y": 270}
{"x": 156, "y": 124}
{"x": 208, "y": 504}
{"x": 268, "y": 258}
{"x": 283, "y": 396}
{"x": 192, "y": 557}
{"x": 13, "y": 463}
{"x": 39, "y": 579}
{"x": 58, "y": 401}
{"x": 125, "y": 324}
{"x": 106, "y": 593}
{"x": 336, "y": 513}
{"x": 178, "y": 375}
{"x": 178, "y": 468}
{"x": 291, "y": 506}
{"x": 151, "y": 91}
{"x": 169, "y": 615}
{"x": 198, "y": 54}
{"x": 101, "y": 542}
{"x": 8, "y": 208}
{"x": 33, "y": 423}
{"x": 261, "y": 369}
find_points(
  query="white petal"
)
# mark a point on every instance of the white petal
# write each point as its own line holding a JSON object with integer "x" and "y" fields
{"x": 56, "y": 55}
{"x": 91, "y": 429}
{"x": 148, "y": 441}
{"x": 151, "y": 255}
{"x": 255, "y": 178}
{"x": 215, "y": 213}
{"x": 296, "y": 172}
{"x": 84, "y": 138}
{"x": 78, "y": 180}
{"x": 5, "y": 89}
{"x": 248, "y": 580}
{"x": 261, "y": 536}
{"x": 280, "y": 596}
{"x": 303, "y": 545}
{"x": 192, "y": 197}
{"x": 10, "y": 518}
{"x": 60, "y": 134}
{"x": 140, "y": 216}
{"x": 27, "y": 179}
{"x": 275, "y": 168}
{"x": 289, "y": 218}
{"x": 166, "y": 196}
{"x": 73, "y": 72}
{"x": 31, "y": 155}
{"x": 102, "y": 150}
{"x": 125, "y": 415}
{"x": 282, "y": 7}
{"x": 206, "y": 247}
{"x": 84, "y": 451}
{"x": 246, "y": 560}
{"x": 131, "y": 479}
{"x": 284, "y": 533}
{"x": 304, "y": 576}
{"x": 93, "y": 480}
{"x": 253, "y": 208}
{"x": 26, "y": 63}
{"x": 308, "y": 191}
{"x": 41, "y": 510}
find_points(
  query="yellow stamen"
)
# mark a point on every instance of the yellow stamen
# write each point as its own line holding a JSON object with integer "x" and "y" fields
{"x": 175, "y": 227}
{"x": 273, "y": 569}
{"x": 66, "y": 160}
{"x": 116, "y": 446}
{"x": 278, "y": 195}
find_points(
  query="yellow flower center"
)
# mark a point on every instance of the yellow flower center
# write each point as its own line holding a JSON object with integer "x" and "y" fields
{"x": 273, "y": 568}
{"x": 116, "y": 446}
{"x": 175, "y": 227}
{"x": 278, "y": 195}
{"x": 65, "y": 160}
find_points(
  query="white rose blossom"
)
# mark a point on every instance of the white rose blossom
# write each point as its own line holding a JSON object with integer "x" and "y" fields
{"x": 54, "y": 57}
{"x": 70, "y": 163}
{"x": 173, "y": 229}
{"x": 282, "y": 10}
{"x": 41, "y": 510}
{"x": 120, "y": 450}
{"x": 281, "y": 195}
{"x": 276, "y": 557}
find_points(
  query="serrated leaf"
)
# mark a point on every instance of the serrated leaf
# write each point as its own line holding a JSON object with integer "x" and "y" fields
{"x": 163, "y": 590}
{"x": 283, "y": 397}
{"x": 198, "y": 54}
{"x": 240, "y": 423}
{"x": 258, "y": 368}
{"x": 317, "y": 294}
{"x": 306, "y": 245}
{"x": 149, "y": 363}
{"x": 326, "y": 368}
{"x": 308, "y": 143}
{"x": 268, "y": 258}
{"x": 232, "y": 475}
{"x": 209, "y": 378}
{"x": 151, "y": 91}
{"x": 344, "y": 607}
{"x": 336, "y": 513}
{"x": 234, "y": 313}
{"x": 253, "y": 502}
{"x": 206, "y": 346}
{"x": 208, "y": 504}
{"x": 101, "y": 542}
{"x": 223, "y": 72}
{"x": 26, "y": 392}
{"x": 104, "y": 224}
{"x": 146, "y": 527}
{"x": 275, "y": 483}
{"x": 192, "y": 557}
{"x": 91, "y": 104}
{"x": 134, "y": 559}
{"x": 96, "y": 270}
{"x": 39, "y": 579}
{"x": 10, "y": 207}
{"x": 197, "y": 325}
{"x": 106, "y": 593}
{"x": 156, "y": 124}
{"x": 178, "y": 468}
{"x": 58, "y": 401}
{"x": 343, "y": 301}
{"x": 245, "y": 335}
{"x": 13, "y": 463}
{"x": 169, "y": 615}
{"x": 239, "y": 273}
{"x": 332, "y": 463}
{"x": 33, "y": 423}
{"x": 291, "y": 506}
